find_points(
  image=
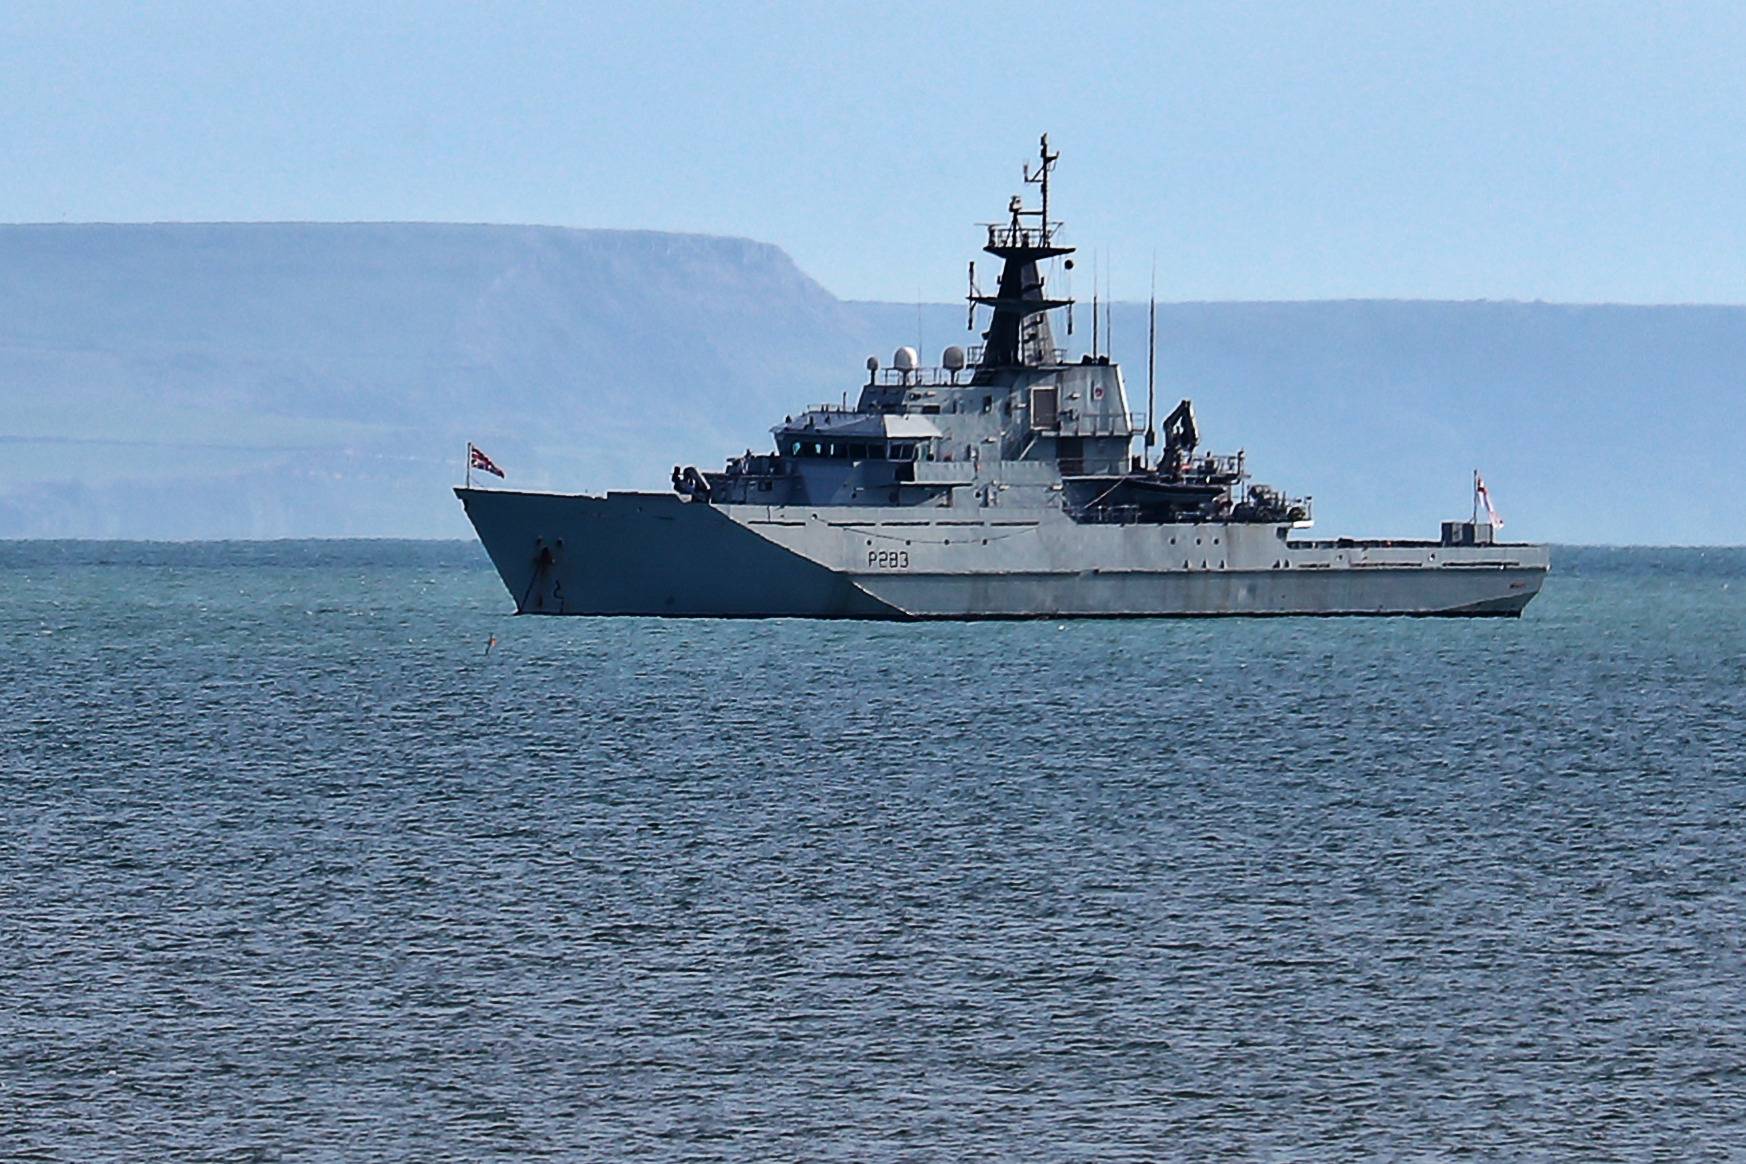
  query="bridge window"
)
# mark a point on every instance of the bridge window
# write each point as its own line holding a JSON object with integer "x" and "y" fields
{"x": 857, "y": 452}
{"x": 902, "y": 452}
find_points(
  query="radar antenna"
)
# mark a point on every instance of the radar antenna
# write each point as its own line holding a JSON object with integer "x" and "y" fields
{"x": 1018, "y": 335}
{"x": 1039, "y": 178}
{"x": 1152, "y": 358}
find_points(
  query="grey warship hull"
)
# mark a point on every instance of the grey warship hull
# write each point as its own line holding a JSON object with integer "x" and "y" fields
{"x": 1001, "y": 484}
{"x": 663, "y": 555}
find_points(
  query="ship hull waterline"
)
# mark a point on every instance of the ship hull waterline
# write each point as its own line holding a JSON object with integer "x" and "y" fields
{"x": 661, "y": 555}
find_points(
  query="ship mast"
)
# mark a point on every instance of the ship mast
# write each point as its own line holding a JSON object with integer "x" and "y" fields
{"x": 1019, "y": 336}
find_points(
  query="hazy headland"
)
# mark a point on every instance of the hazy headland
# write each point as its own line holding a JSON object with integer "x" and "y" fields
{"x": 296, "y": 380}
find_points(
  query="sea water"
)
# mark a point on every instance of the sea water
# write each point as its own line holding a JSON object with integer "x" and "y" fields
{"x": 297, "y": 863}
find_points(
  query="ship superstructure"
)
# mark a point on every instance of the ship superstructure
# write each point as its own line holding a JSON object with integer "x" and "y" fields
{"x": 1001, "y": 483}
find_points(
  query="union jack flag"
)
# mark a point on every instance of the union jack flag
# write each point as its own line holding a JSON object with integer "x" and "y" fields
{"x": 478, "y": 460}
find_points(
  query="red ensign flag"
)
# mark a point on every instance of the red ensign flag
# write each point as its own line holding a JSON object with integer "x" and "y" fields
{"x": 1485, "y": 499}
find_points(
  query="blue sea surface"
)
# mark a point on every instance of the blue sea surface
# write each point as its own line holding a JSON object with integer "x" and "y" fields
{"x": 294, "y": 868}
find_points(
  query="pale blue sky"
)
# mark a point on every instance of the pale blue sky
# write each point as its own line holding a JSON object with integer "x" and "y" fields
{"x": 1563, "y": 151}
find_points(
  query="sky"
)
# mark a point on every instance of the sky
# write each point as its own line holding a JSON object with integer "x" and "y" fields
{"x": 1574, "y": 152}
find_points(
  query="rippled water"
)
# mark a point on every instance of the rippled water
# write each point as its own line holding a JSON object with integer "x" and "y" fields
{"x": 294, "y": 870}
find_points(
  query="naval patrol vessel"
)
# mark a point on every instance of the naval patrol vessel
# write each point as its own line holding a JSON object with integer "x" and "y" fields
{"x": 1001, "y": 484}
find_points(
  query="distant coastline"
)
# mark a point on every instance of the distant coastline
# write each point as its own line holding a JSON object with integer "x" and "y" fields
{"x": 202, "y": 381}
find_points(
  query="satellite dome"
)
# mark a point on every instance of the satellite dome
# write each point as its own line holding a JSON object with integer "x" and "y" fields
{"x": 953, "y": 358}
{"x": 872, "y": 363}
{"x": 905, "y": 360}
